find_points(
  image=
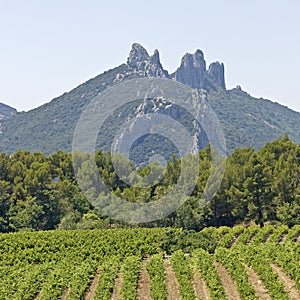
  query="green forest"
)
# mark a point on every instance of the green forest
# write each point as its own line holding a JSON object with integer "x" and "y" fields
{"x": 40, "y": 192}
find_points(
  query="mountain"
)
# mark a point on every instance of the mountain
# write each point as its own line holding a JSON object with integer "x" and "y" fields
{"x": 246, "y": 121}
{"x": 6, "y": 112}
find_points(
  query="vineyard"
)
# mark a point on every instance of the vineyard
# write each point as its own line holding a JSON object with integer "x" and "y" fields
{"x": 158, "y": 264}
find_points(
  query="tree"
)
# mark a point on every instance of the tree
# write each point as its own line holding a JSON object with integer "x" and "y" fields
{"x": 257, "y": 190}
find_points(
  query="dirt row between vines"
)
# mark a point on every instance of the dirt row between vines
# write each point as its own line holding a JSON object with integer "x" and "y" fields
{"x": 289, "y": 284}
{"x": 260, "y": 291}
{"x": 281, "y": 239}
{"x": 116, "y": 295}
{"x": 93, "y": 287}
{"x": 229, "y": 285}
{"x": 171, "y": 281}
{"x": 143, "y": 290}
{"x": 200, "y": 287}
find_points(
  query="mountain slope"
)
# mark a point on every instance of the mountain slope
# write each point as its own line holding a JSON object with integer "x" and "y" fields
{"x": 247, "y": 121}
{"x": 6, "y": 112}
{"x": 252, "y": 122}
{"x": 50, "y": 127}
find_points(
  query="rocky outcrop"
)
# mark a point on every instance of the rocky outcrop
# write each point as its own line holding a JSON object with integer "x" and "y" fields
{"x": 216, "y": 73}
{"x": 150, "y": 131}
{"x": 193, "y": 73}
{"x": 192, "y": 70}
{"x": 139, "y": 61}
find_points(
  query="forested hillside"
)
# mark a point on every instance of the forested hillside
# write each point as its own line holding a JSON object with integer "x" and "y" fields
{"x": 40, "y": 192}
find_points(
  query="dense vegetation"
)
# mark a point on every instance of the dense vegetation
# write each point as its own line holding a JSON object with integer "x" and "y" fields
{"x": 50, "y": 264}
{"x": 39, "y": 192}
{"x": 252, "y": 122}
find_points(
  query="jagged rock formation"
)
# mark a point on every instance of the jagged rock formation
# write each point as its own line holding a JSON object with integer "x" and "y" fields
{"x": 164, "y": 107}
{"x": 246, "y": 121}
{"x": 139, "y": 61}
{"x": 192, "y": 70}
{"x": 193, "y": 73}
{"x": 216, "y": 73}
{"x": 147, "y": 118}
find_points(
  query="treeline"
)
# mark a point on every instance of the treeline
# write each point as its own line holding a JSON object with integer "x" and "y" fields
{"x": 39, "y": 192}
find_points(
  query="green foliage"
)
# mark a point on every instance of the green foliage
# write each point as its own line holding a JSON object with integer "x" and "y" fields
{"x": 184, "y": 275}
{"x": 204, "y": 262}
{"x": 252, "y": 122}
{"x": 47, "y": 263}
{"x": 109, "y": 272}
{"x": 236, "y": 269}
{"x": 258, "y": 258}
{"x": 39, "y": 192}
{"x": 247, "y": 236}
{"x": 230, "y": 237}
{"x": 130, "y": 275}
{"x": 157, "y": 274}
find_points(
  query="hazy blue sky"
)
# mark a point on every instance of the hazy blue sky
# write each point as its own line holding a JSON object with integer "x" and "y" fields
{"x": 49, "y": 47}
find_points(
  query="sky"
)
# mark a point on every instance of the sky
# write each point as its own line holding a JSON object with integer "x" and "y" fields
{"x": 50, "y": 47}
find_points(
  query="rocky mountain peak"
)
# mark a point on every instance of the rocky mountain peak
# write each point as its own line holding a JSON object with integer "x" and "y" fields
{"x": 137, "y": 55}
{"x": 155, "y": 57}
{"x": 140, "y": 62}
{"x": 192, "y": 71}
{"x": 216, "y": 72}
{"x": 199, "y": 59}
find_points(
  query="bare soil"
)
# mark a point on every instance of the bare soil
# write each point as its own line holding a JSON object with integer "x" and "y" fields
{"x": 268, "y": 237}
{"x": 65, "y": 294}
{"x": 172, "y": 283}
{"x": 143, "y": 291}
{"x": 200, "y": 288}
{"x": 233, "y": 241}
{"x": 260, "y": 291}
{"x": 251, "y": 238}
{"x": 289, "y": 284}
{"x": 282, "y": 238}
{"x": 93, "y": 287}
{"x": 228, "y": 283}
{"x": 116, "y": 295}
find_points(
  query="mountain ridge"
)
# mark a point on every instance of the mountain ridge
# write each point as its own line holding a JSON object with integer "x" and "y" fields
{"x": 6, "y": 112}
{"x": 245, "y": 119}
